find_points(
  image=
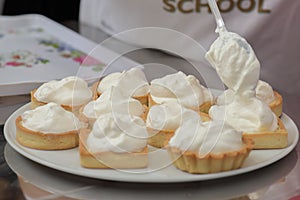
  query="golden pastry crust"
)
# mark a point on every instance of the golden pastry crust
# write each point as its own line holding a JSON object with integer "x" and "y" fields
{"x": 142, "y": 99}
{"x": 192, "y": 162}
{"x": 160, "y": 138}
{"x": 269, "y": 140}
{"x": 105, "y": 160}
{"x": 45, "y": 141}
{"x": 96, "y": 94}
{"x": 88, "y": 120}
{"x": 36, "y": 103}
{"x": 204, "y": 108}
{"x": 276, "y": 105}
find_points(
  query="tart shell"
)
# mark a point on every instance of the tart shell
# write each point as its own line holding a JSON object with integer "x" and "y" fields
{"x": 108, "y": 159}
{"x": 269, "y": 140}
{"x": 192, "y": 162}
{"x": 45, "y": 141}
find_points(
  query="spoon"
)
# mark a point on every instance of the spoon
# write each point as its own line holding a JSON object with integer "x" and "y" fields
{"x": 221, "y": 25}
{"x": 215, "y": 10}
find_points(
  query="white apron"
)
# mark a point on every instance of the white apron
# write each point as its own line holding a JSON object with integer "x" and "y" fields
{"x": 272, "y": 27}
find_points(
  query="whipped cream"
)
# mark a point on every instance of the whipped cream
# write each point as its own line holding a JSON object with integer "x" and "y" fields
{"x": 50, "y": 118}
{"x": 113, "y": 100}
{"x": 186, "y": 89}
{"x": 238, "y": 68}
{"x": 117, "y": 133}
{"x": 225, "y": 98}
{"x": 71, "y": 90}
{"x": 247, "y": 114}
{"x": 133, "y": 82}
{"x": 264, "y": 92}
{"x": 235, "y": 63}
{"x": 206, "y": 137}
{"x": 168, "y": 116}
{"x": 108, "y": 81}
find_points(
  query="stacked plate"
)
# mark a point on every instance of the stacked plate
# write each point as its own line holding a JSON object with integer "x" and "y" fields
{"x": 9, "y": 104}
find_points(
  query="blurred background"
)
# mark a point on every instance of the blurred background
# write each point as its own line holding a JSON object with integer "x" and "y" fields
{"x": 65, "y": 12}
{"x": 62, "y": 11}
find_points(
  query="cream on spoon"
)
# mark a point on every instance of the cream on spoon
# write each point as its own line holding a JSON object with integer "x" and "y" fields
{"x": 232, "y": 57}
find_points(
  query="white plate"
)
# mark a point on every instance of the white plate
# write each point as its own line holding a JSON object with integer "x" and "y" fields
{"x": 38, "y": 50}
{"x": 159, "y": 169}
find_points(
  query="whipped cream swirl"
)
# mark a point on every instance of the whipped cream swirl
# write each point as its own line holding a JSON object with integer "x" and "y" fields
{"x": 168, "y": 116}
{"x": 113, "y": 100}
{"x": 206, "y": 137}
{"x": 186, "y": 89}
{"x": 264, "y": 92}
{"x": 108, "y": 81}
{"x": 133, "y": 82}
{"x": 50, "y": 118}
{"x": 71, "y": 90}
{"x": 247, "y": 114}
{"x": 225, "y": 98}
{"x": 117, "y": 133}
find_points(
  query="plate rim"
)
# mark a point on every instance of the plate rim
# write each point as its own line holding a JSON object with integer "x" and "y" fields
{"x": 138, "y": 178}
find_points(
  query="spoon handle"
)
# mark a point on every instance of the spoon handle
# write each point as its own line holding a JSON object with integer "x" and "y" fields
{"x": 214, "y": 8}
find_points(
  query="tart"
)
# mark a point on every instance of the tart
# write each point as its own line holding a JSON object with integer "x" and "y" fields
{"x": 109, "y": 145}
{"x": 133, "y": 82}
{"x": 203, "y": 108}
{"x": 160, "y": 137}
{"x": 194, "y": 163}
{"x": 96, "y": 94}
{"x": 112, "y": 100}
{"x": 269, "y": 139}
{"x": 276, "y": 104}
{"x": 70, "y": 92}
{"x": 45, "y": 141}
{"x": 109, "y": 159}
{"x": 263, "y": 91}
{"x": 213, "y": 147}
{"x": 255, "y": 119}
{"x": 32, "y": 128}
{"x": 36, "y": 103}
{"x": 186, "y": 89}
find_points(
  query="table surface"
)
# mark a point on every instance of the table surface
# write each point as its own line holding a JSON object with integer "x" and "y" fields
{"x": 21, "y": 178}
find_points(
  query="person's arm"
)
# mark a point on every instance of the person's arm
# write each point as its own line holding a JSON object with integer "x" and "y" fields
{"x": 55, "y": 9}
{"x": 1, "y": 6}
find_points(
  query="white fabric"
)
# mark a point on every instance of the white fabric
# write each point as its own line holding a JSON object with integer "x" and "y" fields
{"x": 270, "y": 26}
